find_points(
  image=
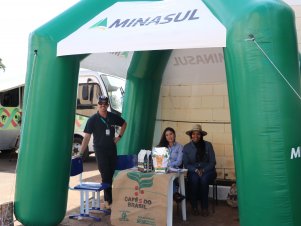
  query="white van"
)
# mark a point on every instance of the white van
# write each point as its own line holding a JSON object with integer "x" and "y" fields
{"x": 11, "y": 103}
{"x": 91, "y": 85}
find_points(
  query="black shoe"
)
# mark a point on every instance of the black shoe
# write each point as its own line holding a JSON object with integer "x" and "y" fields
{"x": 205, "y": 212}
{"x": 177, "y": 197}
{"x": 195, "y": 212}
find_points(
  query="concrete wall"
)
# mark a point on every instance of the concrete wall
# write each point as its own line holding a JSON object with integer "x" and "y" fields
{"x": 207, "y": 104}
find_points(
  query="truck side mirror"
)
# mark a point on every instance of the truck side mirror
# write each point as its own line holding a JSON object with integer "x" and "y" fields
{"x": 91, "y": 93}
{"x": 85, "y": 92}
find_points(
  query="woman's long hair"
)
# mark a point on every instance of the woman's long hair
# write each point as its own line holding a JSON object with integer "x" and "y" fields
{"x": 163, "y": 142}
{"x": 201, "y": 149}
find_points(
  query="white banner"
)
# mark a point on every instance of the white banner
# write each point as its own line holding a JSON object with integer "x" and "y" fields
{"x": 116, "y": 63}
{"x": 136, "y": 26}
{"x": 195, "y": 66}
{"x": 185, "y": 66}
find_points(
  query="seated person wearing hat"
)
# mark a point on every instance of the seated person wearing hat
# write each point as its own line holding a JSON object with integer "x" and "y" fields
{"x": 199, "y": 159}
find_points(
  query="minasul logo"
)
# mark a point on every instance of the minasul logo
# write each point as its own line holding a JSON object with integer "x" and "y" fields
{"x": 101, "y": 24}
{"x": 121, "y": 54}
{"x": 296, "y": 153}
{"x": 158, "y": 20}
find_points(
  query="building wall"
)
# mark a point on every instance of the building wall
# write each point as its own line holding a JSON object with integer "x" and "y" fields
{"x": 207, "y": 104}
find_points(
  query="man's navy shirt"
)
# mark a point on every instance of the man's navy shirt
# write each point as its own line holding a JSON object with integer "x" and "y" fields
{"x": 98, "y": 125}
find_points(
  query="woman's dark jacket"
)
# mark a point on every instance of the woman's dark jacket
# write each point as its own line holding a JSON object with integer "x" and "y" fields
{"x": 189, "y": 157}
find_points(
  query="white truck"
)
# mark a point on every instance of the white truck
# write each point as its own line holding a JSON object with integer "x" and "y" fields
{"x": 91, "y": 85}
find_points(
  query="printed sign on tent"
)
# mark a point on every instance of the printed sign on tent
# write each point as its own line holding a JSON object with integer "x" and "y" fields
{"x": 195, "y": 66}
{"x": 115, "y": 63}
{"x": 135, "y": 26}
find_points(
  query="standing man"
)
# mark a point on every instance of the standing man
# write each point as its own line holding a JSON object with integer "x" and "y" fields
{"x": 102, "y": 126}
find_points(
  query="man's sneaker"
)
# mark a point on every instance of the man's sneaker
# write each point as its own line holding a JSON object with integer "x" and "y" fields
{"x": 107, "y": 207}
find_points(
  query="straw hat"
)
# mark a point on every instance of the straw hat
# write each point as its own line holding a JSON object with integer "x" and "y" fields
{"x": 198, "y": 128}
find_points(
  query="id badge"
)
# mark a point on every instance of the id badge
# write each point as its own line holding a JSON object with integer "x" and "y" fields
{"x": 107, "y": 132}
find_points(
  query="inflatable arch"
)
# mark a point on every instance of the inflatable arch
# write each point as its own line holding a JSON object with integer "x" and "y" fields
{"x": 265, "y": 110}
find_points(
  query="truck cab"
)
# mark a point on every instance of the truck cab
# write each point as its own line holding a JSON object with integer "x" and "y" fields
{"x": 91, "y": 85}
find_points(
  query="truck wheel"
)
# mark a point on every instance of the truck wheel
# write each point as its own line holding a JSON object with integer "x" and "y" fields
{"x": 77, "y": 142}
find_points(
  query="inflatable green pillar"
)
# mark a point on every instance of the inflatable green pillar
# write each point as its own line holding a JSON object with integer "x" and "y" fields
{"x": 41, "y": 186}
{"x": 141, "y": 102}
{"x": 265, "y": 111}
{"x": 48, "y": 122}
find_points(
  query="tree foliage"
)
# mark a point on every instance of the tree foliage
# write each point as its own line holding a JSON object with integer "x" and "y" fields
{"x": 2, "y": 66}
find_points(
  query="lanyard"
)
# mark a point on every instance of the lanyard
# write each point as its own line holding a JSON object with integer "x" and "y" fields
{"x": 101, "y": 118}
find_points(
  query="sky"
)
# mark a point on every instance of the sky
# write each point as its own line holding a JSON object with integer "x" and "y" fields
{"x": 18, "y": 18}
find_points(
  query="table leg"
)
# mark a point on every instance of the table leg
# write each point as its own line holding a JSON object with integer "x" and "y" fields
{"x": 170, "y": 201}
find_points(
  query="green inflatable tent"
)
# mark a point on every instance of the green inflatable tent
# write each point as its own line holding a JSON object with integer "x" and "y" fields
{"x": 263, "y": 76}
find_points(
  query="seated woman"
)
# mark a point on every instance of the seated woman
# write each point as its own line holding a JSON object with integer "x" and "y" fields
{"x": 199, "y": 159}
{"x": 168, "y": 140}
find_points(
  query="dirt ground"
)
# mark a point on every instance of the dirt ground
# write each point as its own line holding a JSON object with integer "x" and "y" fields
{"x": 223, "y": 216}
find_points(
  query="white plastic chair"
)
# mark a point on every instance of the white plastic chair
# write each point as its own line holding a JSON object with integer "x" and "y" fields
{"x": 85, "y": 188}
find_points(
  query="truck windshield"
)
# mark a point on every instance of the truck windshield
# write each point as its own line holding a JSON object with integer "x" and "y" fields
{"x": 115, "y": 87}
